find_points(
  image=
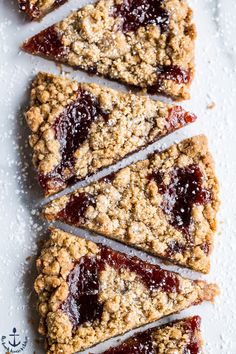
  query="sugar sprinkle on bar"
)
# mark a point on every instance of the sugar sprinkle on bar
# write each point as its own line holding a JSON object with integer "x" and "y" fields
{"x": 78, "y": 128}
{"x": 89, "y": 293}
{"x": 148, "y": 44}
{"x": 165, "y": 205}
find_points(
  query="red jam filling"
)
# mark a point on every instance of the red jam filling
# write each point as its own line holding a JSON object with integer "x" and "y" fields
{"x": 33, "y": 10}
{"x": 47, "y": 43}
{"x": 137, "y": 13}
{"x": 73, "y": 125}
{"x": 59, "y": 2}
{"x": 151, "y": 275}
{"x": 71, "y": 130}
{"x": 141, "y": 343}
{"x": 192, "y": 326}
{"x": 109, "y": 178}
{"x": 170, "y": 72}
{"x": 184, "y": 190}
{"x": 173, "y": 73}
{"x": 178, "y": 118}
{"x": 175, "y": 247}
{"x": 30, "y": 9}
{"x": 76, "y": 207}
{"x": 82, "y": 304}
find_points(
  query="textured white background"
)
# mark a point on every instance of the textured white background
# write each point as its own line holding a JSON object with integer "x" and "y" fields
{"x": 20, "y": 196}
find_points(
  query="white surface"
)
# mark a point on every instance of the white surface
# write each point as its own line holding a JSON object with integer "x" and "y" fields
{"x": 20, "y": 195}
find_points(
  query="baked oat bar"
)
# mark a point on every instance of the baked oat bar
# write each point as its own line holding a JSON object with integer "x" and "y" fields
{"x": 89, "y": 293}
{"x": 165, "y": 205}
{"x": 179, "y": 337}
{"x": 78, "y": 129}
{"x": 143, "y": 43}
{"x": 36, "y": 9}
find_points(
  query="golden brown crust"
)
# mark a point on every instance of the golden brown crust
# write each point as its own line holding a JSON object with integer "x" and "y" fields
{"x": 92, "y": 40}
{"x": 128, "y": 208}
{"x": 133, "y": 122}
{"x": 36, "y": 9}
{"x": 173, "y": 338}
{"x": 121, "y": 290}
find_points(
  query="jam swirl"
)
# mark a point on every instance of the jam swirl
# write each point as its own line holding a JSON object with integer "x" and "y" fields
{"x": 83, "y": 305}
{"x": 47, "y": 43}
{"x": 184, "y": 190}
{"x": 71, "y": 129}
{"x": 141, "y": 343}
{"x": 137, "y": 13}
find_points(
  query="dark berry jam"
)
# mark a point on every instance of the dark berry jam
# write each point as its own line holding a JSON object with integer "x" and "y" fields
{"x": 173, "y": 73}
{"x": 52, "y": 181}
{"x": 151, "y": 275}
{"x": 137, "y": 13}
{"x": 71, "y": 130}
{"x": 205, "y": 247}
{"x": 192, "y": 326}
{"x": 170, "y": 72}
{"x": 175, "y": 247}
{"x": 184, "y": 190}
{"x": 30, "y": 9}
{"x": 76, "y": 207}
{"x": 47, "y": 43}
{"x": 73, "y": 125}
{"x": 141, "y": 343}
{"x": 178, "y": 118}
{"x": 59, "y": 3}
{"x": 109, "y": 178}
{"x": 82, "y": 303}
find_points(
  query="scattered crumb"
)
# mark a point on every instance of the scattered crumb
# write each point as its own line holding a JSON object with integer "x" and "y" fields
{"x": 211, "y": 105}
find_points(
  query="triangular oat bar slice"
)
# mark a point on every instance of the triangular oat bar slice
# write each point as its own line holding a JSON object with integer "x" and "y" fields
{"x": 179, "y": 337}
{"x": 144, "y": 43}
{"x": 36, "y": 9}
{"x": 78, "y": 129}
{"x": 89, "y": 293}
{"x": 165, "y": 205}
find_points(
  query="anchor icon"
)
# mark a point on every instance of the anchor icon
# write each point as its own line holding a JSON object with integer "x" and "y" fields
{"x": 14, "y": 335}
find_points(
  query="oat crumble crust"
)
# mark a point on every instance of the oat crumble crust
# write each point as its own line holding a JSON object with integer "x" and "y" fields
{"x": 134, "y": 122}
{"x": 127, "y": 302}
{"x": 92, "y": 39}
{"x": 128, "y": 208}
{"x": 36, "y": 9}
{"x": 171, "y": 338}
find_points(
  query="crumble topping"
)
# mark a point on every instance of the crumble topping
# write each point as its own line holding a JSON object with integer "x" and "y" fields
{"x": 38, "y": 8}
{"x": 165, "y": 205}
{"x": 78, "y": 129}
{"x": 119, "y": 288}
{"x": 148, "y": 44}
{"x": 178, "y": 337}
